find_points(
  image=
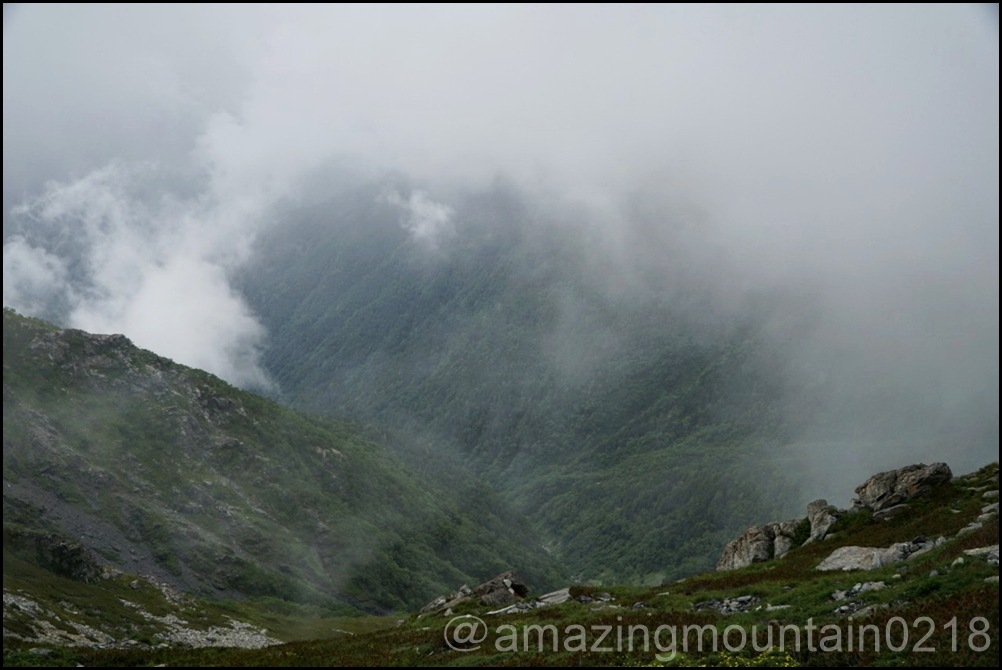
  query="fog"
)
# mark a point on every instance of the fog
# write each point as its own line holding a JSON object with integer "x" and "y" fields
{"x": 848, "y": 151}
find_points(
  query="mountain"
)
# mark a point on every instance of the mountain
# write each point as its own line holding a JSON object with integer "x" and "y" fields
{"x": 167, "y": 471}
{"x": 931, "y": 599}
{"x": 624, "y": 410}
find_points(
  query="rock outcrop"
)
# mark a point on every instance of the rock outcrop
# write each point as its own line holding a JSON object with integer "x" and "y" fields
{"x": 895, "y": 487}
{"x": 503, "y": 589}
{"x": 759, "y": 543}
{"x": 864, "y": 558}
{"x": 822, "y": 517}
{"x": 871, "y": 558}
{"x": 886, "y": 493}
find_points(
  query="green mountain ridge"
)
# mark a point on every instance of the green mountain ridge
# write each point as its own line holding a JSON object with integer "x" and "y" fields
{"x": 624, "y": 424}
{"x": 168, "y": 471}
{"x": 234, "y": 517}
{"x": 634, "y": 392}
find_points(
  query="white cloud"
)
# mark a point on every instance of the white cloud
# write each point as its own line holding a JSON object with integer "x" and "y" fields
{"x": 851, "y": 148}
{"x": 150, "y": 266}
{"x": 426, "y": 220}
{"x": 32, "y": 277}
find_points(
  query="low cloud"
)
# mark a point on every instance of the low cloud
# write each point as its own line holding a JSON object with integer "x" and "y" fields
{"x": 849, "y": 154}
{"x": 427, "y": 221}
{"x": 138, "y": 262}
{"x": 33, "y": 279}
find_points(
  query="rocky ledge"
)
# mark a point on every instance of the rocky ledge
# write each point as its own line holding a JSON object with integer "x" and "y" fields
{"x": 886, "y": 494}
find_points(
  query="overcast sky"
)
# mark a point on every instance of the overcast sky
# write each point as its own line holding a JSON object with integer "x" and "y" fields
{"x": 752, "y": 97}
{"x": 855, "y": 147}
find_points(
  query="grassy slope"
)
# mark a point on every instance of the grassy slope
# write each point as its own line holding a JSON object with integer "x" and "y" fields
{"x": 231, "y": 494}
{"x": 958, "y": 591}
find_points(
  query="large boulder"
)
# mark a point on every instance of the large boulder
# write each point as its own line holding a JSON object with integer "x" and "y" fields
{"x": 871, "y": 558}
{"x": 783, "y": 536}
{"x": 506, "y": 588}
{"x": 864, "y": 558}
{"x": 822, "y": 517}
{"x": 754, "y": 545}
{"x": 503, "y": 589}
{"x": 759, "y": 543}
{"x": 895, "y": 487}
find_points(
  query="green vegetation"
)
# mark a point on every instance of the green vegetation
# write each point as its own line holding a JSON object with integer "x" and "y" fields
{"x": 788, "y": 594}
{"x": 172, "y": 472}
{"x": 292, "y": 525}
{"x": 624, "y": 423}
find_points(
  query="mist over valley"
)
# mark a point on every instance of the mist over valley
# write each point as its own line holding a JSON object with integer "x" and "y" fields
{"x": 587, "y": 289}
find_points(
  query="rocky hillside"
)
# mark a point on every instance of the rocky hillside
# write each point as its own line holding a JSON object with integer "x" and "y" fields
{"x": 884, "y": 495}
{"x": 167, "y": 471}
{"x": 929, "y": 598}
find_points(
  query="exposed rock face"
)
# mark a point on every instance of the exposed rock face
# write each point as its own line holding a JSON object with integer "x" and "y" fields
{"x": 774, "y": 540}
{"x": 822, "y": 517}
{"x": 991, "y": 553}
{"x": 545, "y": 600}
{"x": 555, "y": 597}
{"x": 68, "y": 558}
{"x": 759, "y": 543}
{"x": 755, "y": 545}
{"x": 864, "y": 558}
{"x": 504, "y": 589}
{"x": 887, "y": 489}
{"x": 871, "y": 558}
{"x": 784, "y": 532}
{"x": 886, "y": 493}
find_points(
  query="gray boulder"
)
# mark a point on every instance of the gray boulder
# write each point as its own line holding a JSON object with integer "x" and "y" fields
{"x": 871, "y": 558}
{"x": 822, "y": 517}
{"x": 554, "y": 597}
{"x": 503, "y": 589}
{"x": 783, "y": 536}
{"x": 759, "y": 543}
{"x": 864, "y": 558}
{"x": 754, "y": 546}
{"x": 894, "y": 487}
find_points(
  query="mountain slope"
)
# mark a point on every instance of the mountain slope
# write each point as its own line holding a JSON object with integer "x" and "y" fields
{"x": 625, "y": 415}
{"x": 935, "y": 608}
{"x": 169, "y": 471}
